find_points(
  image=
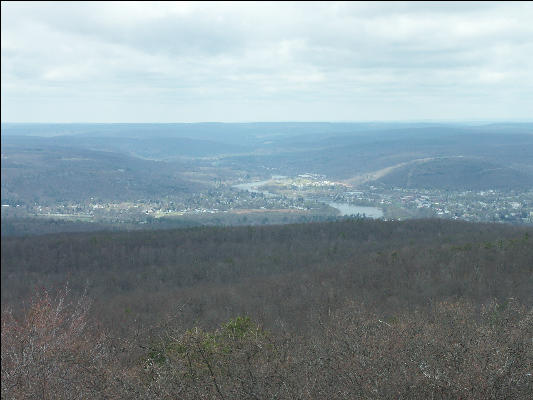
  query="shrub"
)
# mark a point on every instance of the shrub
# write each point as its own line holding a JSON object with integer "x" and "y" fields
{"x": 237, "y": 361}
{"x": 51, "y": 352}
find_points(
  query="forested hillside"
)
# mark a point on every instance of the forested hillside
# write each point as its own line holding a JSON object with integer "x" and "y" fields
{"x": 456, "y": 173}
{"x": 348, "y": 309}
{"x": 48, "y": 175}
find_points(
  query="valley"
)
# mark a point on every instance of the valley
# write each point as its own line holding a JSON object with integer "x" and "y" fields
{"x": 89, "y": 178}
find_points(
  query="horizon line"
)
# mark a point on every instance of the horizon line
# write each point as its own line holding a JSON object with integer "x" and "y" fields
{"x": 281, "y": 121}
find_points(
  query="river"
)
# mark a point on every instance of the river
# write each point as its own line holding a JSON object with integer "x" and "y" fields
{"x": 350, "y": 209}
{"x": 345, "y": 209}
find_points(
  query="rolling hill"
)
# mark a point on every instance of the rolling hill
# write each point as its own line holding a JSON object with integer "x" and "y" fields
{"x": 51, "y": 174}
{"x": 455, "y": 173}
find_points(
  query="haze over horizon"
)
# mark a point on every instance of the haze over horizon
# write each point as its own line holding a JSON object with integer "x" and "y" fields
{"x": 228, "y": 62}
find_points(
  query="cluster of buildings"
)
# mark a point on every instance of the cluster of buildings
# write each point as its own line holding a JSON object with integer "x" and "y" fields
{"x": 480, "y": 206}
{"x": 304, "y": 192}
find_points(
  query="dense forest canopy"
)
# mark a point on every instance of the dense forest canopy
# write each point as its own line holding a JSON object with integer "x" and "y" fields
{"x": 290, "y": 288}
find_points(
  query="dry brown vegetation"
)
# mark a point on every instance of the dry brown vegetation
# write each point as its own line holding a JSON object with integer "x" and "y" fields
{"x": 53, "y": 350}
{"x": 346, "y": 310}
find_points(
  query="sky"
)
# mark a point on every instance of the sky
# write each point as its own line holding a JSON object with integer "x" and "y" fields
{"x": 241, "y": 62}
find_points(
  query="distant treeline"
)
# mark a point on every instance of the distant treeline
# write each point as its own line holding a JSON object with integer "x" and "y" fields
{"x": 30, "y": 226}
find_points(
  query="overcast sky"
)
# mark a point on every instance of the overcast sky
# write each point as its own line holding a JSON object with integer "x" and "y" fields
{"x": 187, "y": 62}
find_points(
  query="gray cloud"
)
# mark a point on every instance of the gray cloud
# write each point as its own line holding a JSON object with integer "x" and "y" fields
{"x": 266, "y": 61}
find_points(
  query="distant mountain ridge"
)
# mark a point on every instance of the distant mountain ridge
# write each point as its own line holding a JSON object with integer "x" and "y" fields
{"x": 497, "y": 156}
{"x": 455, "y": 173}
{"x": 156, "y": 148}
{"x": 62, "y": 174}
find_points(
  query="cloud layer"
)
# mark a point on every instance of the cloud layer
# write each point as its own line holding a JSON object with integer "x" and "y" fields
{"x": 172, "y": 62}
